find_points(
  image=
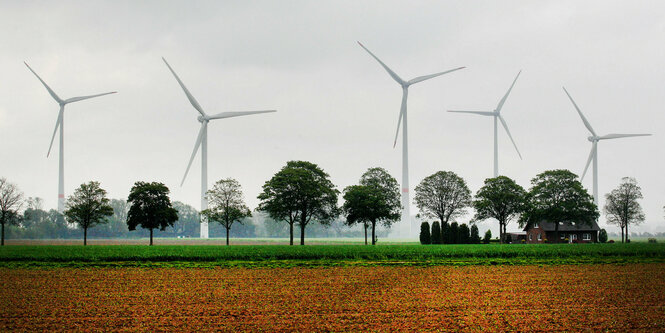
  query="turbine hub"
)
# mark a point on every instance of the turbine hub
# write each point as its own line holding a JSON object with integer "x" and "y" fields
{"x": 202, "y": 119}
{"x": 592, "y": 138}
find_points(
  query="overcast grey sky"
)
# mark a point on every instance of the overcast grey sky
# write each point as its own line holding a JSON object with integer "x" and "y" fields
{"x": 336, "y": 106}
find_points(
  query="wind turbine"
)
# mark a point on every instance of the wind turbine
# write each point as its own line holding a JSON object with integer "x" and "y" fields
{"x": 497, "y": 115}
{"x": 593, "y": 155}
{"x": 202, "y": 141}
{"x": 60, "y": 124}
{"x": 406, "y": 215}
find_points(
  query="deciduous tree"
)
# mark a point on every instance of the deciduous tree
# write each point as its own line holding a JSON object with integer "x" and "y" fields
{"x": 500, "y": 198}
{"x": 88, "y": 207}
{"x": 558, "y": 196}
{"x": 375, "y": 200}
{"x": 298, "y": 193}
{"x": 622, "y": 207}
{"x": 226, "y": 204}
{"x": 443, "y": 195}
{"x": 150, "y": 207}
{"x": 11, "y": 200}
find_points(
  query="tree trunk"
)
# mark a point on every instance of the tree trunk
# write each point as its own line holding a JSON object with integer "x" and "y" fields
{"x": 3, "y": 235}
{"x": 364, "y": 224}
{"x": 150, "y": 236}
{"x": 373, "y": 233}
{"x": 227, "y": 236}
{"x": 627, "y": 238}
{"x": 85, "y": 236}
{"x": 291, "y": 233}
{"x": 302, "y": 234}
{"x": 622, "y": 234}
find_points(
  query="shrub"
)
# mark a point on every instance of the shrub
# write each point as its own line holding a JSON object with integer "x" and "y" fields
{"x": 453, "y": 234}
{"x": 445, "y": 233}
{"x": 653, "y": 240}
{"x": 475, "y": 235}
{"x": 509, "y": 239}
{"x": 425, "y": 237}
{"x": 611, "y": 241}
{"x": 627, "y": 240}
{"x": 436, "y": 233}
{"x": 545, "y": 240}
{"x": 488, "y": 236}
{"x": 602, "y": 236}
{"x": 464, "y": 236}
{"x": 566, "y": 240}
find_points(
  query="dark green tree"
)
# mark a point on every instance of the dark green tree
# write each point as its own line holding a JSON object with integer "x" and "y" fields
{"x": 298, "y": 193}
{"x": 376, "y": 199}
{"x": 558, "y": 196}
{"x": 622, "y": 207}
{"x": 464, "y": 235}
{"x": 453, "y": 233}
{"x": 475, "y": 235}
{"x": 88, "y": 207}
{"x": 11, "y": 200}
{"x": 488, "y": 236}
{"x": 436, "y": 233}
{"x": 445, "y": 233}
{"x": 425, "y": 236}
{"x": 150, "y": 207}
{"x": 501, "y": 199}
{"x": 443, "y": 195}
{"x": 602, "y": 236}
{"x": 226, "y": 204}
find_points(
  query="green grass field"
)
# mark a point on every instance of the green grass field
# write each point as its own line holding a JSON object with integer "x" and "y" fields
{"x": 324, "y": 255}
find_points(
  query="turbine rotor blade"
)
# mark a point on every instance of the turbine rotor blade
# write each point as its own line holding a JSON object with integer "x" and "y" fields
{"x": 405, "y": 95}
{"x": 616, "y": 136}
{"x": 431, "y": 76}
{"x": 390, "y": 71}
{"x": 57, "y": 124}
{"x": 505, "y": 126}
{"x": 588, "y": 161}
{"x": 191, "y": 98}
{"x": 76, "y": 99}
{"x": 237, "y": 114}
{"x": 503, "y": 100}
{"x": 482, "y": 113}
{"x": 586, "y": 122}
{"x": 50, "y": 91}
{"x": 196, "y": 148}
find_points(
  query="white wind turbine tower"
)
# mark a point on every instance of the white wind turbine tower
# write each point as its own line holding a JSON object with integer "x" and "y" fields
{"x": 406, "y": 215}
{"x": 497, "y": 116}
{"x": 202, "y": 140}
{"x": 60, "y": 124}
{"x": 593, "y": 155}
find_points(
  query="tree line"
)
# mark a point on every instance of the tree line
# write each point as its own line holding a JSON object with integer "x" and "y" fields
{"x": 301, "y": 193}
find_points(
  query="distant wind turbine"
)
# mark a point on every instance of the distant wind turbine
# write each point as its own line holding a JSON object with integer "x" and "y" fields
{"x": 593, "y": 155}
{"x": 497, "y": 115}
{"x": 406, "y": 215}
{"x": 60, "y": 124}
{"x": 202, "y": 141}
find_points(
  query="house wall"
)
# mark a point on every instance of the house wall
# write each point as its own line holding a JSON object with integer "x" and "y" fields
{"x": 550, "y": 236}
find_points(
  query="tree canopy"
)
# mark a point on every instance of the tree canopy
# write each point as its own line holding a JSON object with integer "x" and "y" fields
{"x": 443, "y": 195}
{"x": 500, "y": 198}
{"x": 299, "y": 193}
{"x": 150, "y": 207}
{"x": 87, "y": 207}
{"x": 375, "y": 200}
{"x": 558, "y": 196}
{"x": 226, "y": 204}
{"x": 622, "y": 207}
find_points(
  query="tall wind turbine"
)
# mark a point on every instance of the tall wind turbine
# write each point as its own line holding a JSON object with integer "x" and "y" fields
{"x": 497, "y": 115}
{"x": 593, "y": 155}
{"x": 202, "y": 141}
{"x": 60, "y": 124}
{"x": 406, "y": 215}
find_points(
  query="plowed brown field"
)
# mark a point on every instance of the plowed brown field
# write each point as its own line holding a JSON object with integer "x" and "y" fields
{"x": 478, "y": 298}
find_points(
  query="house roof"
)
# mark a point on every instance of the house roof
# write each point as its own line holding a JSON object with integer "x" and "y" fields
{"x": 567, "y": 226}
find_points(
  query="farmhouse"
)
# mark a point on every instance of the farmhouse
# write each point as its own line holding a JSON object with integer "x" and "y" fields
{"x": 568, "y": 232}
